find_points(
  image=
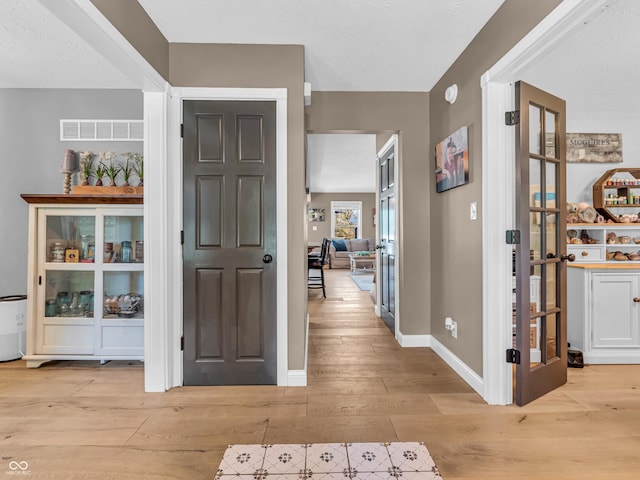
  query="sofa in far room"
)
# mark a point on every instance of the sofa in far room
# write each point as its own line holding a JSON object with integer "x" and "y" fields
{"x": 340, "y": 249}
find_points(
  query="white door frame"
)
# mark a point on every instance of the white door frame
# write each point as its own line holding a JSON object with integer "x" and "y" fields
{"x": 393, "y": 141}
{"x": 498, "y": 187}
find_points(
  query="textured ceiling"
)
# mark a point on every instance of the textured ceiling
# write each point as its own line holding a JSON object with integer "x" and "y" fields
{"x": 361, "y": 45}
{"x": 39, "y": 51}
{"x": 600, "y": 58}
{"x": 342, "y": 162}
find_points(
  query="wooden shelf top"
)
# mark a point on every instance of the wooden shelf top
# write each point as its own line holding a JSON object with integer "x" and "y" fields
{"x": 606, "y": 266}
{"x": 607, "y": 225}
{"x": 42, "y": 198}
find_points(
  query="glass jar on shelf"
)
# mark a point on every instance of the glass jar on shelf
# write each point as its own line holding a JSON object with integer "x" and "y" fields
{"x": 57, "y": 251}
{"x": 87, "y": 248}
{"x": 126, "y": 252}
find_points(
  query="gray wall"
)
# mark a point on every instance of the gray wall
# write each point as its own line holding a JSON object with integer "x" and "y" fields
{"x": 456, "y": 249}
{"x": 323, "y": 200}
{"x": 31, "y": 153}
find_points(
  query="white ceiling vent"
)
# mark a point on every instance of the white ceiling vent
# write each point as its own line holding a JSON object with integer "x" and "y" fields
{"x": 102, "y": 130}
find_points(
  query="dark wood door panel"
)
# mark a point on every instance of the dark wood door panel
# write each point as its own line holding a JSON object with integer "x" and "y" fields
{"x": 210, "y": 206}
{"x": 209, "y": 315}
{"x": 209, "y": 140}
{"x": 387, "y": 233}
{"x": 229, "y": 217}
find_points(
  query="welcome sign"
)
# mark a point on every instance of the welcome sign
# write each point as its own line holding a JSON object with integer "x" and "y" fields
{"x": 594, "y": 147}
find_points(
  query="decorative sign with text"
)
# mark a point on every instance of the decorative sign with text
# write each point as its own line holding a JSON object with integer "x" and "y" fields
{"x": 594, "y": 147}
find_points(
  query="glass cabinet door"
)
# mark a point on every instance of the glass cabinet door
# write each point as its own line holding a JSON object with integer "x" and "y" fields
{"x": 123, "y": 239}
{"x": 69, "y": 255}
{"x": 70, "y": 238}
{"x": 123, "y": 294}
{"x": 123, "y": 269}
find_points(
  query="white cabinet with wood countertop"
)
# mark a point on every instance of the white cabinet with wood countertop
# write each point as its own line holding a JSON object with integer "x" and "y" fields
{"x": 603, "y": 306}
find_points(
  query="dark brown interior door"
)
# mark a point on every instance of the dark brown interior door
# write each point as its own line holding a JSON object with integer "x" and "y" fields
{"x": 541, "y": 277}
{"x": 387, "y": 236}
{"x": 229, "y": 251}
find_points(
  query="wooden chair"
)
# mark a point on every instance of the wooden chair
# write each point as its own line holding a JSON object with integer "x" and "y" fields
{"x": 317, "y": 262}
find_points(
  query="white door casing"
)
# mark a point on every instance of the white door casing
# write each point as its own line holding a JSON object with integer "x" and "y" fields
{"x": 498, "y": 187}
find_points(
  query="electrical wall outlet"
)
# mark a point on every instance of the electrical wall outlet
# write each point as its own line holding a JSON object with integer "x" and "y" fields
{"x": 473, "y": 211}
{"x": 451, "y": 325}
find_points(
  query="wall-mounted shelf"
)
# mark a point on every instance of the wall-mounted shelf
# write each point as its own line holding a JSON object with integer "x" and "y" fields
{"x": 617, "y": 192}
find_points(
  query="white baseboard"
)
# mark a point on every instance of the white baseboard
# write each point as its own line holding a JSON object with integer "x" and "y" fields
{"x": 413, "y": 340}
{"x": 297, "y": 378}
{"x": 472, "y": 378}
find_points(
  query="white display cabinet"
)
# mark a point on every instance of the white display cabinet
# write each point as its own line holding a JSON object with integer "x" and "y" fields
{"x": 86, "y": 278}
{"x": 612, "y": 243}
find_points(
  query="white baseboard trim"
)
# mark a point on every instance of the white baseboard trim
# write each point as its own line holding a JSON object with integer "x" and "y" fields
{"x": 297, "y": 378}
{"x": 413, "y": 340}
{"x": 472, "y": 378}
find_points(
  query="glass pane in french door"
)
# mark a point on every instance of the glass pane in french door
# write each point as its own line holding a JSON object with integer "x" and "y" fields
{"x": 535, "y": 129}
{"x": 550, "y": 134}
{"x": 552, "y": 335}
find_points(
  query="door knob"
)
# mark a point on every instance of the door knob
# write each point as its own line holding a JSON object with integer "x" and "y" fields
{"x": 267, "y": 258}
{"x": 571, "y": 257}
{"x": 379, "y": 247}
{"x": 636, "y": 299}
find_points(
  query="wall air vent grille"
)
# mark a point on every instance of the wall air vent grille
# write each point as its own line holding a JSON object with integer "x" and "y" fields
{"x": 102, "y": 130}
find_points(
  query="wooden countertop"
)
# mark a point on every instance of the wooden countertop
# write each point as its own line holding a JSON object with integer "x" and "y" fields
{"x": 77, "y": 199}
{"x": 606, "y": 266}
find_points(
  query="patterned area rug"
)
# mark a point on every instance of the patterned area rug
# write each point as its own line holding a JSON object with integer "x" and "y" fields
{"x": 364, "y": 281}
{"x": 327, "y": 461}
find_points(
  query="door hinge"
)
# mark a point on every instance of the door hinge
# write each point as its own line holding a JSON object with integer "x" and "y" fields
{"x": 181, "y": 237}
{"x": 182, "y": 344}
{"x": 512, "y": 118}
{"x": 513, "y": 237}
{"x": 182, "y": 130}
{"x": 513, "y": 356}
{"x": 39, "y": 279}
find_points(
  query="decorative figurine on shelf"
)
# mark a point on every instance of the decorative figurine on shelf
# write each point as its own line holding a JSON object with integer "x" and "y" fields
{"x": 67, "y": 168}
{"x": 581, "y": 213}
{"x": 86, "y": 166}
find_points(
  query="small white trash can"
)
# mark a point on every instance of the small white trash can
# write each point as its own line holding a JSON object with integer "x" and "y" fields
{"x": 13, "y": 327}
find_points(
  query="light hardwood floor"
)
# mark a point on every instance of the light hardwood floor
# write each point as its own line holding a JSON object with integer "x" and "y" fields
{"x": 77, "y": 420}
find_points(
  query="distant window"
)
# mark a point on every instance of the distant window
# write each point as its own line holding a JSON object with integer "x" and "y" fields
{"x": 346, "y": 220}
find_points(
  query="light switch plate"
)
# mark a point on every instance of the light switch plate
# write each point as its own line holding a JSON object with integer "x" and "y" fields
{"x": 314, "y": 228}
{"x": 473, "y": 210}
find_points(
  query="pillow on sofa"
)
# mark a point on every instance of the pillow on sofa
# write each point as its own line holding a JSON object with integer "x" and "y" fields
{"x": 359, "y": 245}
{"x": 339, "y": 245}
